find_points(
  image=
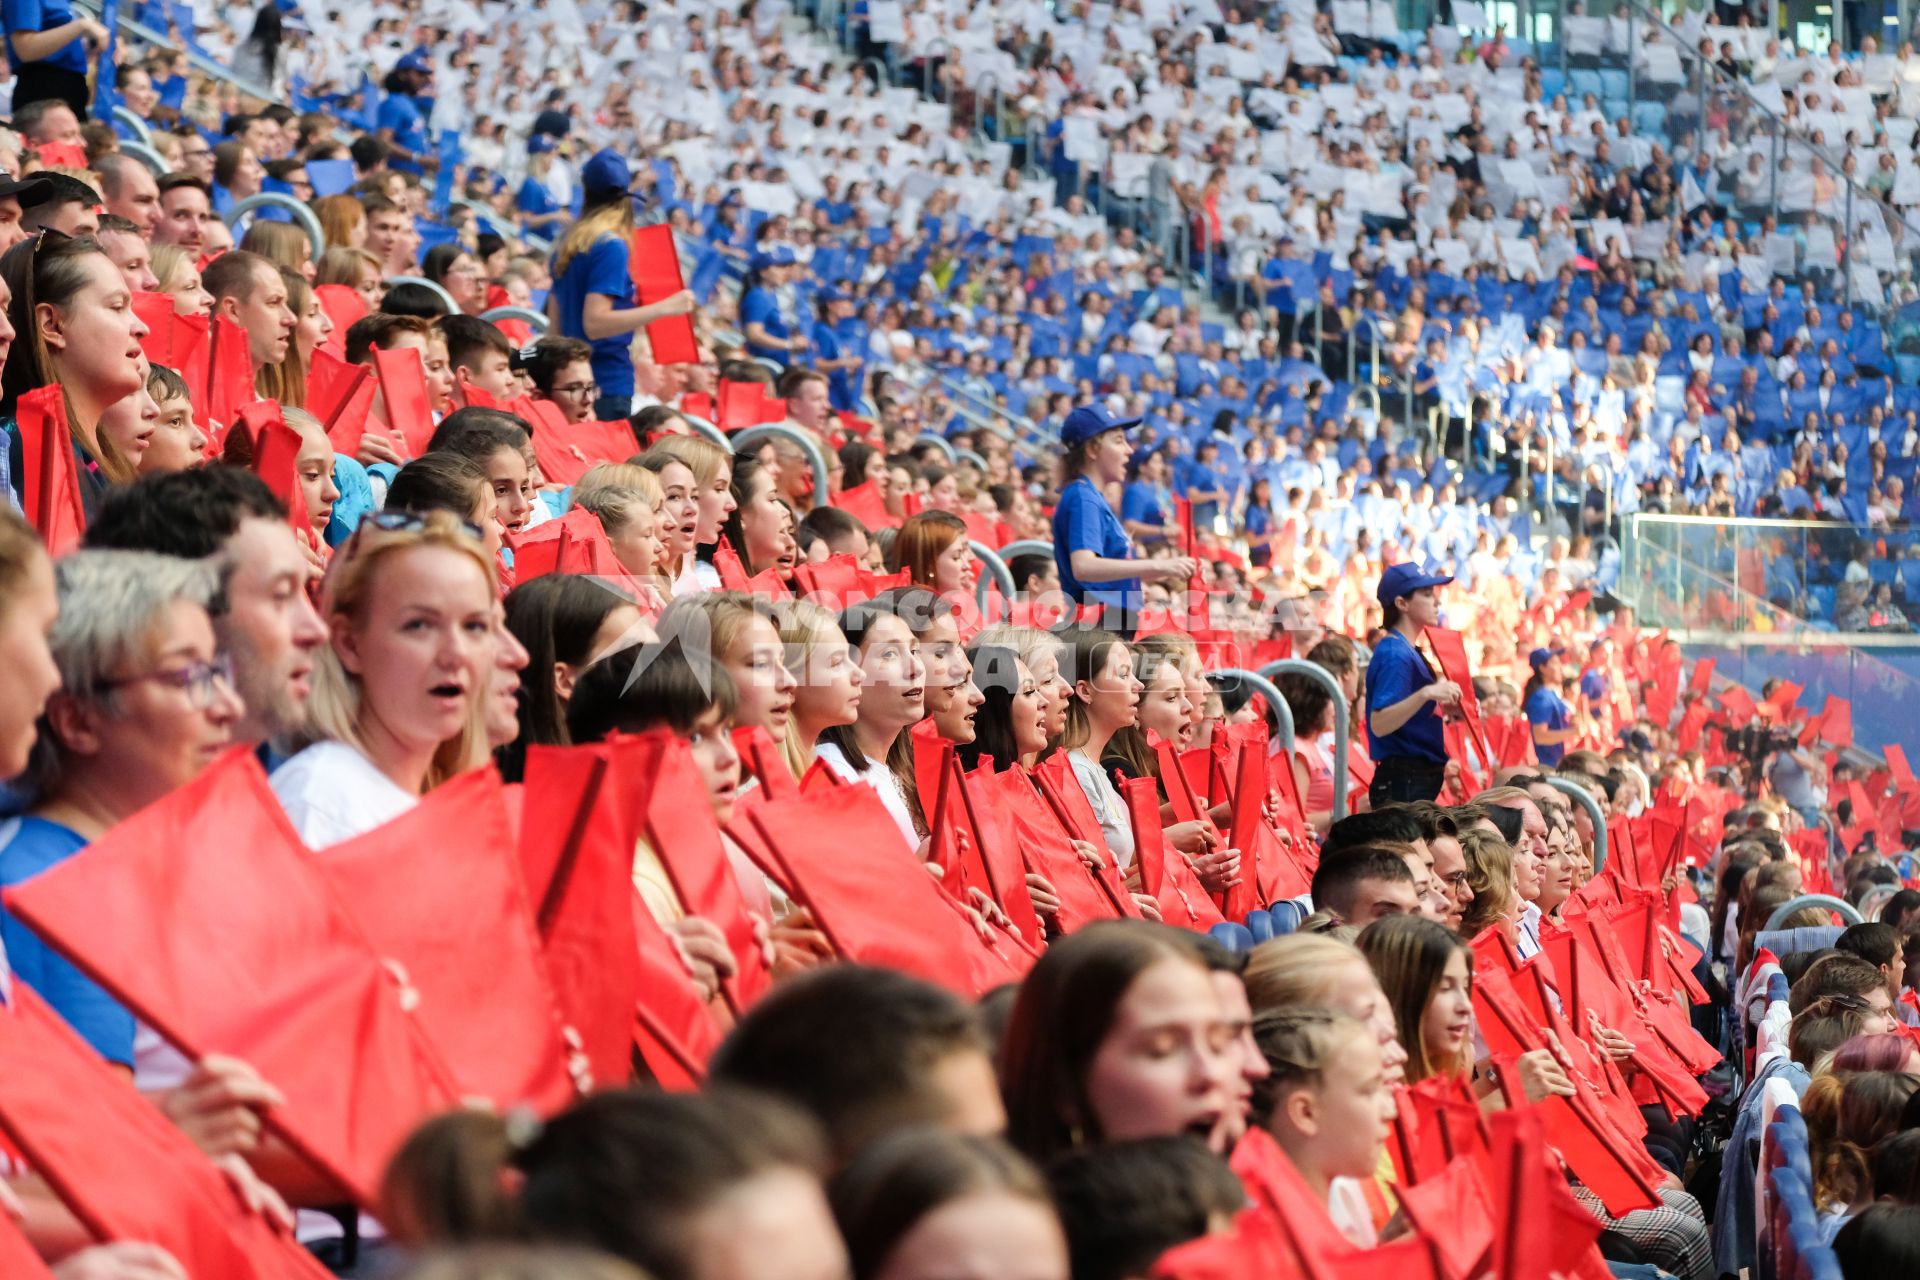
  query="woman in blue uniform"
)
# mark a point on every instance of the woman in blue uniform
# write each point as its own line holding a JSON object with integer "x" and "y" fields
{"x": 1404, "y": 734}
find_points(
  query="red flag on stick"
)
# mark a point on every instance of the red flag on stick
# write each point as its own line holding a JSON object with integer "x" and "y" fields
{"x": 50, "y": 472}
{"x": 403, "y": 390}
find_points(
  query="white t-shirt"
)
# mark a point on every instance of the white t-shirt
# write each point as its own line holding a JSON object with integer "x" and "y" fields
{"x": 884, "y": 783}
{"x": 333, "y": 793}
{"x": 1108, "y": 807}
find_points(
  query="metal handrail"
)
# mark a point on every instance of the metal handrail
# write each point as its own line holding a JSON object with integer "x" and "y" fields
{"x": 147, "y": 156}
{"x": 1282, "y": 713}
{"x": 301, "y": 214}
{"x": 124, "y": 115}
{"x": 945, "y": 447}
{"x": 744, "y": 441}
{"x": 1846, "y": 909}
{"x": 1586, "y": 801}
{"x": 702, "y": 427}
{"x": 1026, "y": 547}
{"x": 1328, "y": 681}
{"x": 968, "y": 455}
{"x": 538, "y": 243}
{"x": 537, "y": 319}
{"x": 199, "y": 61}
{"x": 996, "y": 569}
{"x": 453, "y": 308}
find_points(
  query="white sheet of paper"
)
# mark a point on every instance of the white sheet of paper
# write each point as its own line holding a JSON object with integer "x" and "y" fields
{"x": 1783, "y": 253}
{"x": 886, "y": 21}
{"x": 1822, "y": 250}
{"x": 1663, "y": 64}
{"x": 1471, "y": 15}
{"x": 1585, "y": 35}
{"x": 1866, "y": 286}
{"x": 1906, "y": 185}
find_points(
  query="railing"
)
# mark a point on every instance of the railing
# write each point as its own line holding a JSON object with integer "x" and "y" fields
{"x": 309, "y": 223}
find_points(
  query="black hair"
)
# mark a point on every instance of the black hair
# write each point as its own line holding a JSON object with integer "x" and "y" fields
{"x": 1389, "y": 824}
{"x": 443, "y": 481}
{"x": 854, "y": 1046}
{"x": 1123, "y": 1204}
{"x": 410, "y": 299}
{"x": 1027, "y": 566}
{"x": 477, "y": 432}
{"x": 556, "y": 617}
{"x": 1339, "y": 876}
{"x": 1881, "y": 1240}
{"x": 996, "y": 673}
{"x": 648, "y": 686}
{"x": 190, "y": 514}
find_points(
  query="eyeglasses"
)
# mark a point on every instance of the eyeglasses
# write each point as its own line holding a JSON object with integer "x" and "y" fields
{"x": 1458, "y": 880}
{"x": 414, "y": 522}
{"x": 578, "y": 390}
{"x": 195, "y": 679}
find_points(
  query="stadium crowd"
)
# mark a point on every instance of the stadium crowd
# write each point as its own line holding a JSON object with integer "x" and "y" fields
{"x": 635, "y": 648}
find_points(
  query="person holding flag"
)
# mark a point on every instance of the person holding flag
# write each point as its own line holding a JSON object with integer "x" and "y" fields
{"x": 1552, "y": 719}
{"x": 1404, "y": 734}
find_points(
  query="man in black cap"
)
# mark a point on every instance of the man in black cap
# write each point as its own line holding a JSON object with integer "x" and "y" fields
{"x": 16, "y": 195}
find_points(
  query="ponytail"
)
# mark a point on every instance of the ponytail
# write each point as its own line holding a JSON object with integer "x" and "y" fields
{"x": 450, "y": 1182}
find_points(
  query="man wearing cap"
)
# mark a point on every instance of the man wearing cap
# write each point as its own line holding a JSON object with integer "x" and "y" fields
{"x": 831, "y": 356}
{"x": 1546, "y": 710}
{"x": 1089, "y": 545}
{"x": 1404, "y": 734}
{"x": 592, "y": 295}
{"x": 402, "y": 122}
{"x": 17, "y": 195}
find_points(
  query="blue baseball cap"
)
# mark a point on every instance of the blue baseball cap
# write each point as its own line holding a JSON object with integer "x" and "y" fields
{"x": 1405, "y": 579}
{"x": 778, "y": 256}
{"x": 605, "y": 173}
{"x": 541, "y": 143}
{"x": 833, "y": 293}
{"x": 1091, "y": 420}
{"x": 1541, "y": 657}
{"x": 415, "y": 61}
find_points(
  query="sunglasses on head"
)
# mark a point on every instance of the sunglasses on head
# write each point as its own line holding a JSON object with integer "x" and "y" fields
{"x": 414, "y": 522}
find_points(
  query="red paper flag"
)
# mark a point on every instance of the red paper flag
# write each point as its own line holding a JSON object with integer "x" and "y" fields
{"x": 49, "y": 469}
{"x": 576, "y": 849}
{"x": 999, "y": 852}
{"x": 655, "y": 265}
{"x": 864, "y": 503}
{"x": 219, "y": 377}
{"x": 340, "y": 395}
{"x": 1164, "y": 872}
{"x": 864, "y": 888}
{"x": 276, "y": 453}
{"x": 1450, "y": 648}
{"x": 1783, "y": 698}
{"x": 1897, "y": 765}
{"x": 574, "y": 543}
{"x": 403, "y": 391}
{"x": 1085, "y": 895}
{"x": 1452, "y": 1209}
{"x": 1836, "y": 722}
{"x": 17, "y": 1257}
{"x": 746, "y": 404}
{"x": 204, "y": 914}
{"x": 672, "y": 1028}
{"x": 163, "y": 342}
{"x": 1543, "y": 1231}
{"x": 119, "y": 1164}
{"x": 465, "y": 933}
{"x": 568, "y": 450}
{"x": 761, "y": 757}
{"x": 343, "y": 305}
{"x": 687, "y": 839}
{"x": 1702, "y": 679}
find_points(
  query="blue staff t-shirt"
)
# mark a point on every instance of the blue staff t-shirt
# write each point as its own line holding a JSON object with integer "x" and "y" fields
{"x": 401, "y": 113}
{"x": 762, "y": 308}
{"x": 43, "y": 15}
{"x": 29, "y": 846}
{"x": 601, "y": 269}
{"x": 1546, "y": 709}
{"x": 843, "y": 385}
{"x": 1143, "y": 502}
{"x": 1395, "y": 673}
{"x": 1084, "y": 522}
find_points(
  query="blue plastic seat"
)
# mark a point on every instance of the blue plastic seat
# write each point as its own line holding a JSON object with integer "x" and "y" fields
{"x": 1260, "y": 924}
{"x": 1234, "y": 937}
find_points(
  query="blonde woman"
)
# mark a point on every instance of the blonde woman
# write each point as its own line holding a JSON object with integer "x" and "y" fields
{"x": 827, "y": 678}
{"x": 712, "y": 471}
{"x": 179, "y": 279}
{"x": 400, "y": 694}
{"x": 631, "y": 505}
{"x": 592, "y": 297}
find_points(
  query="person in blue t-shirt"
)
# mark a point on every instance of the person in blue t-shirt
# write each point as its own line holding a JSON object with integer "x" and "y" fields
{"x": 1146, "y": 506}
{"x": 1546, "y": 710}
{"x": 771, "y": 333}
{"x": 48, "y": 47}
{"x": 838, "y": 359}
{"x": 539, "y": 212}
{"x": 1089, "y": 545}
{"x": 592, "y": 297}
{"x": 1404, "y": 734}
{"x": 402, "y": 120}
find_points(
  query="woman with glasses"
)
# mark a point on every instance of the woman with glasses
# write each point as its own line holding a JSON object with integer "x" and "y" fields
{"x": 453, "y": 269}
{"x": 561, "y": 370}
{"x": 145, "y": 704}
{"x": 400, "y": 696}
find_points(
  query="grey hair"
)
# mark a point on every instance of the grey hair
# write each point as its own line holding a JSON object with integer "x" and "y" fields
{"x": 112, "y": 604}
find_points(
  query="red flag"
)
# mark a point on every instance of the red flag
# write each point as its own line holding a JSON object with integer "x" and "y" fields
{"x": 343, "y": 305}
{"x": 340, "y": 395}
{"x": 655, "y": 266}
{"x": 1450, "y": 648}
{"x": 1084, "y": 894}
{"x": 1164, "y": 872}
{"x": 747, "y": 404}
{"x": 276, "y": 453}
{"x": 219, "y": 377}
{"x": 1000, "y": 854}
{"x": 1453, "y": 1210}
{"x": 864, "y": 503}
{"x": 1701, "y": 681}
{"x": 760, "y": 757}
{"x": 864, "y": 888}
{"x": 576, "y": 849}
{"x": 1783, "y": 698}
{"x": 1544, "y": 1231}
{"x": 1897, "y": 764}
{"x": 687, "y": 839}
{"x": 49, "y": 469}
{"x": 17, "y": 1256}
{"x": 205, "y": 915}
{"x": 403, "y": 390}
{"x": 465, "y": 933}
{"x": 574, "y": 543}
{"x": 166, "y": 343}
{"x": 568, "y": 450}
{"x": 672, "y": 1028}
{"x": 119, "y": 1164}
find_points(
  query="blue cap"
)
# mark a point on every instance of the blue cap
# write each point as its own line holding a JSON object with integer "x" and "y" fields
{"x": 833, "y": 293}
{"x": 1091, "y": 420}
{"x": 541, "y": 143}
{"x": 1405, "y": 579}
{"x": 778, "y": 256}
{"x": 605, "y": 173}
{"x": 1541, "y": 657}
{"x": 415, "y": 61}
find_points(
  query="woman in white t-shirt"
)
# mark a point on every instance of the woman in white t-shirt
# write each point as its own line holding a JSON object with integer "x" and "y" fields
{"x": 400, "y": 695}
{"x": 1106, "y": 699}
{"x": 893, "y": 698}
